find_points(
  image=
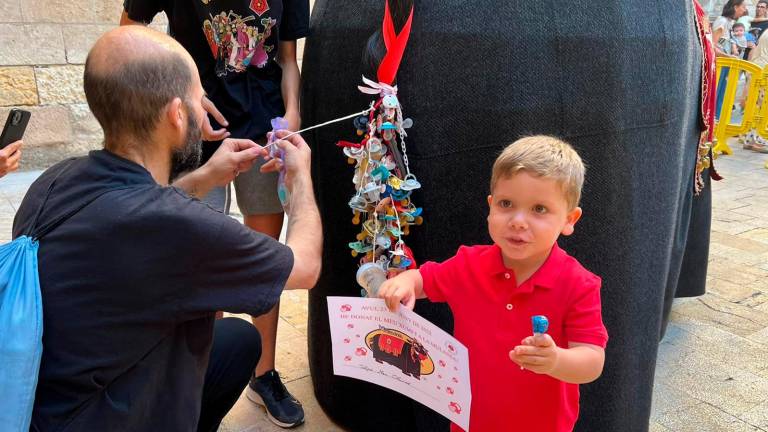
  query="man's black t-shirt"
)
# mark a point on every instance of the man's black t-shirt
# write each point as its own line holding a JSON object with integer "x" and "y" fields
{"x": 130, "y": 285}
{"x": 758, "y": 27}
{"x": 234, "y": 43}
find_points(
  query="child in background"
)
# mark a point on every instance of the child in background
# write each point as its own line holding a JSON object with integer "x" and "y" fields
{"x": 739, "y": 40}
{"x": 519, "y": 381}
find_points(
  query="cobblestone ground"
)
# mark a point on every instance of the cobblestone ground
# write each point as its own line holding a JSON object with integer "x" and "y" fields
{"x": 712, "y": 372}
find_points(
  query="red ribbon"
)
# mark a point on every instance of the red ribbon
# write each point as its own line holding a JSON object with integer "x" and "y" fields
{"x": 395, "y": 44}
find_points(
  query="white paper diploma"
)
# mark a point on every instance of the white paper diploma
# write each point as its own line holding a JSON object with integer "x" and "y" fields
{"x": 400, "y": 351}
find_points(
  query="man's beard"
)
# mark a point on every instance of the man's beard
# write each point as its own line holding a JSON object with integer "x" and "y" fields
{"x": 188, "y": 157}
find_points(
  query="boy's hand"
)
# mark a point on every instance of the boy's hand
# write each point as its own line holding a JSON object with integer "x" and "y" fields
{"x": 537, "y": 353}
{"x": 399, "y": 289}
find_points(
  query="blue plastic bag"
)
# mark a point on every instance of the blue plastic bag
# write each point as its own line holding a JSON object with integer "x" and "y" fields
{"x": 21, "y": 332}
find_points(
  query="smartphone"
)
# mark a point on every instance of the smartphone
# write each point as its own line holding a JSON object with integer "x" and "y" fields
{"x": 15, "y": 125}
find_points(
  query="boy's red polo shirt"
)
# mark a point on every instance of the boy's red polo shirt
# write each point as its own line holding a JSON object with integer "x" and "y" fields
{"x": 492, "y": 315}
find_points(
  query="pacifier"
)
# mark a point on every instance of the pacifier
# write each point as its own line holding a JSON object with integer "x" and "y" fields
{"x": 411, "y": 215}
{"x": 371, "y": 226}
{"x": 388, "y": 130}
{"x": 410, "y": 183}
{"x": 372, "y": 191}
{"x": 400, "y": 194}
{"x": 395, "y": 182}
{"x": 354, "y": 152}
{"x": 383, "y": 241}
{"x": 388, "y": 135}
{"x": 390, "y": 101}
{"x": 407, "y": 124}
{"x": 360, "y": 124}
{"x": 358, "y": 203}
{"x": 360, "y": 247}
{"x": 370, "y": 276}
{"x": 388, "y": 162}
{"x": 380, "y": 173}
{"x": 374, "y": 145}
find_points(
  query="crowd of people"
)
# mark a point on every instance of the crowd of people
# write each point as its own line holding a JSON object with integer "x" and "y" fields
{"x": 738, "y": 35}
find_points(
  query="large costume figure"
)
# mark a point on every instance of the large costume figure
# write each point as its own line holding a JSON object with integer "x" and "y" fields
{"x": 620, "y": 80}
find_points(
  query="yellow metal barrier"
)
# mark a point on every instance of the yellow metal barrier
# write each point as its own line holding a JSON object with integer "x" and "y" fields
{"x": 752, "y": 118}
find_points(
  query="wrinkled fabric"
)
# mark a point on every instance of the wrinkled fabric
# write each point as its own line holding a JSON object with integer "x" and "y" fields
{"x": 620, "y": 80}
{"x": 21, "y": 332}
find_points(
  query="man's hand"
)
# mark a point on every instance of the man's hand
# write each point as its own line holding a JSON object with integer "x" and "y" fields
{"x": 10, "y": 157}
{"x": 232, "y": 157}
{"x": 297, "y": 158}
{"x": 209, "y": 134}
{"x": 537, "y": 353}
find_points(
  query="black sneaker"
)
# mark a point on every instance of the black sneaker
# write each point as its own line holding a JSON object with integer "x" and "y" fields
{"x": 282, "y": 408}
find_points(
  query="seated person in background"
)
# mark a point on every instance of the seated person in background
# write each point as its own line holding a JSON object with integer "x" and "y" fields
{"x": 132, "y": 281}
{"x": 10, "y": 157}
{"x": 521, "y": 382}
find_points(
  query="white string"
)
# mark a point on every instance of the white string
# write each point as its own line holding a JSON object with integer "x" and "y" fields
{"x": 320, "y": 125}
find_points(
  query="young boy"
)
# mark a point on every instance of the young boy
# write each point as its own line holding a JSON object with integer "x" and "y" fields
{"x": 739, "y": 40}
{"x": 519, "y": 381}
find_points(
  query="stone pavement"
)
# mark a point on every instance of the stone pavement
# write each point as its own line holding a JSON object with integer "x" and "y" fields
{"x": 712, "y": 372}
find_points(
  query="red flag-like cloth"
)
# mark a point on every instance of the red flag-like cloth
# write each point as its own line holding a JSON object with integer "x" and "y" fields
{"x": 395, "y": 44}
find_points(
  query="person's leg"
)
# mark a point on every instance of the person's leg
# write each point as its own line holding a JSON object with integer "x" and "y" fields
{"x": 271, "y": 225}
{"x": 262, "y": 211}
{"x": 235, "y": 352}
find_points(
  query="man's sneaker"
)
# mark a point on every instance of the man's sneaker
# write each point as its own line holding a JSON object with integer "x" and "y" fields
{"x": 282, "y": 408}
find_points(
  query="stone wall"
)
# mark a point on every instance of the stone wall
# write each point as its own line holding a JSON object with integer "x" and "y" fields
{"x": 43, "y": 45}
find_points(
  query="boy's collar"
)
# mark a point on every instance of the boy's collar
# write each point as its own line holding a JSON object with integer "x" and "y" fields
{"x": 545, "y": 277}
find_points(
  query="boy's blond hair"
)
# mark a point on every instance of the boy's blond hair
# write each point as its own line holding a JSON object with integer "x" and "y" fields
{"x": 543, "y": 156}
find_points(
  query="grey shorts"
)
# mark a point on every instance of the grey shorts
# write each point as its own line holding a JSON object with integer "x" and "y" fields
{"x": 256, "y": 193}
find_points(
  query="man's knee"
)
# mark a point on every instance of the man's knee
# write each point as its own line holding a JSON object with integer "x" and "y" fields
{"x": 242, "y": 340}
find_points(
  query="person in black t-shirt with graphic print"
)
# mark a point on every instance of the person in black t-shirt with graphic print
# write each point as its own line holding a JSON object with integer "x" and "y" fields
{"x": 245, "y": 51}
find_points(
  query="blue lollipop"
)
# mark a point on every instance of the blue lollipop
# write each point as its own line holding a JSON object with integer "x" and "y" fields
{"x": 540, "y": 324}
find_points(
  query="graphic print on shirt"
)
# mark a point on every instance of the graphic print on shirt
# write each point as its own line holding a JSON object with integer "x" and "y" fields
{"x": 236, "y": 41}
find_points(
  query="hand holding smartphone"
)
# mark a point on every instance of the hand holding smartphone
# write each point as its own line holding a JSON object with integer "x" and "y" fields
{"x": 10, "y": 140}
{"x": 15, "y": 125}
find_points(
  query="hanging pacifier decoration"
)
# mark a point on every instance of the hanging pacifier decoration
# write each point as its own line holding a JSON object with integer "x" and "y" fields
{"x": 383, "y": 180}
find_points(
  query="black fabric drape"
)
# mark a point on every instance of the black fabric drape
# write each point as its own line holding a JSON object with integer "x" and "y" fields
{"x": 619, "y": 80}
